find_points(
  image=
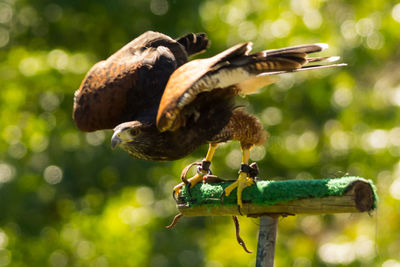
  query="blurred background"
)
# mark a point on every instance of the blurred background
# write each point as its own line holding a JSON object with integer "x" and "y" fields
{"x": 67, "y": 199}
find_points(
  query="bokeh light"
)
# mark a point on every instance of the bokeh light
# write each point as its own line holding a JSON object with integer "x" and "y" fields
{"x": 53, "y": 174}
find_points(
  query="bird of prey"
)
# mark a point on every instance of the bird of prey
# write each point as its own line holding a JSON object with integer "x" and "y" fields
{"x": 162, "y": 106}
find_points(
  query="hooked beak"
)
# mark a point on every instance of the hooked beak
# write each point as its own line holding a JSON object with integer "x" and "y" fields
{"x": 115, "y": 140}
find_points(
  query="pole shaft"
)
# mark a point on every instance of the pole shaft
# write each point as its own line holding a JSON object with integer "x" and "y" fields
{"x": 266, "y": 241}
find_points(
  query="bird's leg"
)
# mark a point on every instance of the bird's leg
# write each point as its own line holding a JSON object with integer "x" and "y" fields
{"x": 202, "y": 170}
{"x": 244, "y": 179}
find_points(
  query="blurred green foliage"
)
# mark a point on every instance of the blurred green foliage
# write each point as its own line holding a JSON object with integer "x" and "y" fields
{"x": 67, "y": 199}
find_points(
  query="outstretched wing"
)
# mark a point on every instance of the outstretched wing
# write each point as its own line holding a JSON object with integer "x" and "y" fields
{"x": 130, "y": 83}
{"x": 233, "y": 67}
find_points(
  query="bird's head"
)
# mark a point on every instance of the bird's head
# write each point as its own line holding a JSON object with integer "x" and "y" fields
{"x": 142, "y": 140}
{"x": 125, "y": 133}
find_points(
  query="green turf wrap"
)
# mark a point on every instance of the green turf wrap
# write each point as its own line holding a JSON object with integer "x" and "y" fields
{"x": 271, "y": 192}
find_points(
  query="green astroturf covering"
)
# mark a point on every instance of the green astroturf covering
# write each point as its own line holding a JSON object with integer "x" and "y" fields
{"x": 271, "y": 192}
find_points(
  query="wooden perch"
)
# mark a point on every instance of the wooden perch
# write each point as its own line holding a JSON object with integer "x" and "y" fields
{"x": 339, "y": 195}
{"x": 270, "y": 199}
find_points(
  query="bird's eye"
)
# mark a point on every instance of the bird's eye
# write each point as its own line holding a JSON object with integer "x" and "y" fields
{"x": 134, "y": 131}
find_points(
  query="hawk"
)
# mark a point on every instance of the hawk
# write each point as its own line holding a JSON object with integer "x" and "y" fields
{"x": 162, "y": 106}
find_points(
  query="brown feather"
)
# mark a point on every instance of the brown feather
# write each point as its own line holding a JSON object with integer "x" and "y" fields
{"x": 163, "y": 107}
{"x": 128, "y": 83}
{"x": 233, "y": 66}
{"x": 243, "y": 127}
{"x": 187, "y": 82}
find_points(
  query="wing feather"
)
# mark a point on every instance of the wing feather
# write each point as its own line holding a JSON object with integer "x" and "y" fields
{"x": 128, "y": 83}
{"x": 194, "y": 43}
{"x": 232, "y": 67}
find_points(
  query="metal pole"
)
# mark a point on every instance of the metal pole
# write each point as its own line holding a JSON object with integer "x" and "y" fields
{"x": 266, "y": 241}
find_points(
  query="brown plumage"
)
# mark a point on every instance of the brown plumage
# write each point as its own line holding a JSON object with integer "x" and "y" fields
{"x": 130, "y": 83}
{"x": 162, "y": 107}
{"x": 244, "y": 128}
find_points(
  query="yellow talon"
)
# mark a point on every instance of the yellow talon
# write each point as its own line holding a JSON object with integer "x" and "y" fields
{"x": 198, "y": 177}
{"x": 241, "y": 183}
{"x": 230, "y": 188}
{"x": 192, "y": 181}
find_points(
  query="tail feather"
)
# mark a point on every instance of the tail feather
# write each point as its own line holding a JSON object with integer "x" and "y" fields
{"x": 313, "y": 67}
{"x": 241, "y": 70}
{"x": 308, "y": 48}
{"x": 284, "y": 59}
{"x": 323, "y": 59}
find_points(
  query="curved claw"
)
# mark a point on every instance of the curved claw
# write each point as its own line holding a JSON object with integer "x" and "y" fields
{"x": 203, "y": 169}
{"x": 185, "y": 181}
{"x": 177, "y": 190}
{"x": 240, "y": 184}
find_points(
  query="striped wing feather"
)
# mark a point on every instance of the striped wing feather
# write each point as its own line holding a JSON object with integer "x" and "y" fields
{"x": 232, "y": 67}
